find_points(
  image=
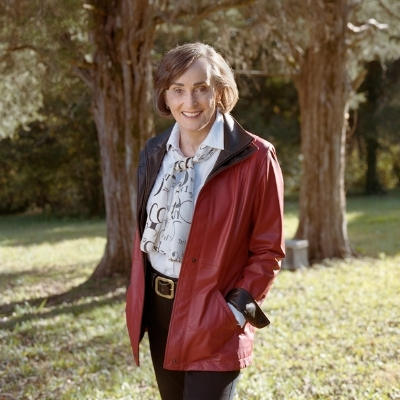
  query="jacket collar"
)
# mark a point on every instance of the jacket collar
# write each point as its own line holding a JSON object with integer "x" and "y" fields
{"x": 237, "y": 143}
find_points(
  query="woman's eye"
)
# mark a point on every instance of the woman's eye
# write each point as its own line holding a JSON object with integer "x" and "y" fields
{"x": 201, "y": 89}
{"x": 178, "y": 91}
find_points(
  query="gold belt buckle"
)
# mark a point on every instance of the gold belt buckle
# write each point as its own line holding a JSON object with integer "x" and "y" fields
{"x": 165, "y": 280}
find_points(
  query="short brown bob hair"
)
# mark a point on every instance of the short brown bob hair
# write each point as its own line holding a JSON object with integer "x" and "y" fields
{"x": 179, "y": 59}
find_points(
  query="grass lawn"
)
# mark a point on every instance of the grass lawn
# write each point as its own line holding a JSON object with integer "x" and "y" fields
{"x": 335, "y": 331}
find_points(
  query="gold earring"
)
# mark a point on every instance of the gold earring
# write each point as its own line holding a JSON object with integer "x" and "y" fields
{"x": 167, "y": 107}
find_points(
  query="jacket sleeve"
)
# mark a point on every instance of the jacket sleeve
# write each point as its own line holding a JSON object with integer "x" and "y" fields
{"x": 266, "y": 244}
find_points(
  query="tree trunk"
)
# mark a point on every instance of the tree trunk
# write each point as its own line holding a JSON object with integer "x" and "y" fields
{"x": 374, "y": 87}
{"x": 323, "y": 89}
{"x": 372, "y": 184}
{"x": 122, "y": 106}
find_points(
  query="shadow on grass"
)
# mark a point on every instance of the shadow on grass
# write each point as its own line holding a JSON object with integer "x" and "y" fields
{"x": 50, "y": 271}
{"x": 98, "y": 293}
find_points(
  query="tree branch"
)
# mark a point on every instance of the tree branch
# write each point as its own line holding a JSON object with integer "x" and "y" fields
{"x": 253, "y": 72}
{"x": 367, "y": 26}
{"x": 23, "y": 47}
{"x": 94, "y": 9}
{"x": 84, "y": 72}
{"x": 359, "y": 79}
{"x": 202, "y": 14}
{"x": 221, "y": 7}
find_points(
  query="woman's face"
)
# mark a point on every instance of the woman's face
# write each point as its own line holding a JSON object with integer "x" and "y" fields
{"x": 192, "y": 99}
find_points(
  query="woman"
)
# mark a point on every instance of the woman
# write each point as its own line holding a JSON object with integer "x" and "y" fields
{"x": 209, "y": 234}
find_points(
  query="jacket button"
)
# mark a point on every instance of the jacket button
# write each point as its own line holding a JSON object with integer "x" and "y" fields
{"x": 174, "y": 360}
{"x": 194, "y": 259}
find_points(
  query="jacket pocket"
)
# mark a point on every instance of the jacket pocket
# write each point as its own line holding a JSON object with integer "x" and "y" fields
{"x": 224, "y": 305}
{"x": 222, "y": 323}
{"x": 211, "y": 326}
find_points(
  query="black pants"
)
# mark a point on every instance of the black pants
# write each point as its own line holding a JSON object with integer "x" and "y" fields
{"x": 180, "y": 385}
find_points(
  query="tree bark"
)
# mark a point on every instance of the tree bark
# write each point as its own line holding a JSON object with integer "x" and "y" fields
{"x": 122, "y": 105}
{"x": 323, "y": 89}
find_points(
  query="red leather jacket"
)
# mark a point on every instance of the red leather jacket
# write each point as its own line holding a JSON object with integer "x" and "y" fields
{"x": 236, "y": 241}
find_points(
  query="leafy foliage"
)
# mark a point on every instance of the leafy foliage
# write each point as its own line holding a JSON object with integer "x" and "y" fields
{"x": 21, "y": 96}
{"x": 37, "y": 41}
{"x": 54, "y": 166}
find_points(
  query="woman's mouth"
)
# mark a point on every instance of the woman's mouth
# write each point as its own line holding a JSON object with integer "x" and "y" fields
{"x": 191, "y": 114}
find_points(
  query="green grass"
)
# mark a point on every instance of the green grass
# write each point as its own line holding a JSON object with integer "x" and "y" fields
{"x": 335, "y": 331}
{"x": 374, "y": 224}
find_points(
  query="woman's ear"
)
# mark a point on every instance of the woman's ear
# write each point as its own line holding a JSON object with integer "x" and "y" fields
{"x": 165, "y": 101}
{"x": 218, "y": 97}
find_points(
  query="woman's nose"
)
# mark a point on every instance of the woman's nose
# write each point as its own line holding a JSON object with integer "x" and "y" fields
{"x": 190, "y": 99}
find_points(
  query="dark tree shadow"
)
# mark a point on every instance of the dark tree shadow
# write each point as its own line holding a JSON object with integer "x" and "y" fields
{"x": 100, "y": 292}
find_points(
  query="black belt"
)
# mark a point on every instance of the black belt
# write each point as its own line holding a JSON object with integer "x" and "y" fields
{"x": 164, "y": 286}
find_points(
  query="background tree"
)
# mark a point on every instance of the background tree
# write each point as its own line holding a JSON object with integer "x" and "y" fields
{"x": 323, "y": 48}
{"x": 120, "y": 78}
{"x": 377, "y": 128}
{"x": 323, "y": 87}
{"x": 373, "y": 86}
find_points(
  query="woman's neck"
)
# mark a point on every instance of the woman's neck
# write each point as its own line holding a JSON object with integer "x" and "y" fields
{"x": 190, "y": 144}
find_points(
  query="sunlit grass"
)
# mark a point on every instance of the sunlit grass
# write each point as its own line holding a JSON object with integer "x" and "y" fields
{"x": 335, "y": 331}
{"x": 374, "y": 224}
{"x": 291, "y": 219}
{"x": 335, "y": 334}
